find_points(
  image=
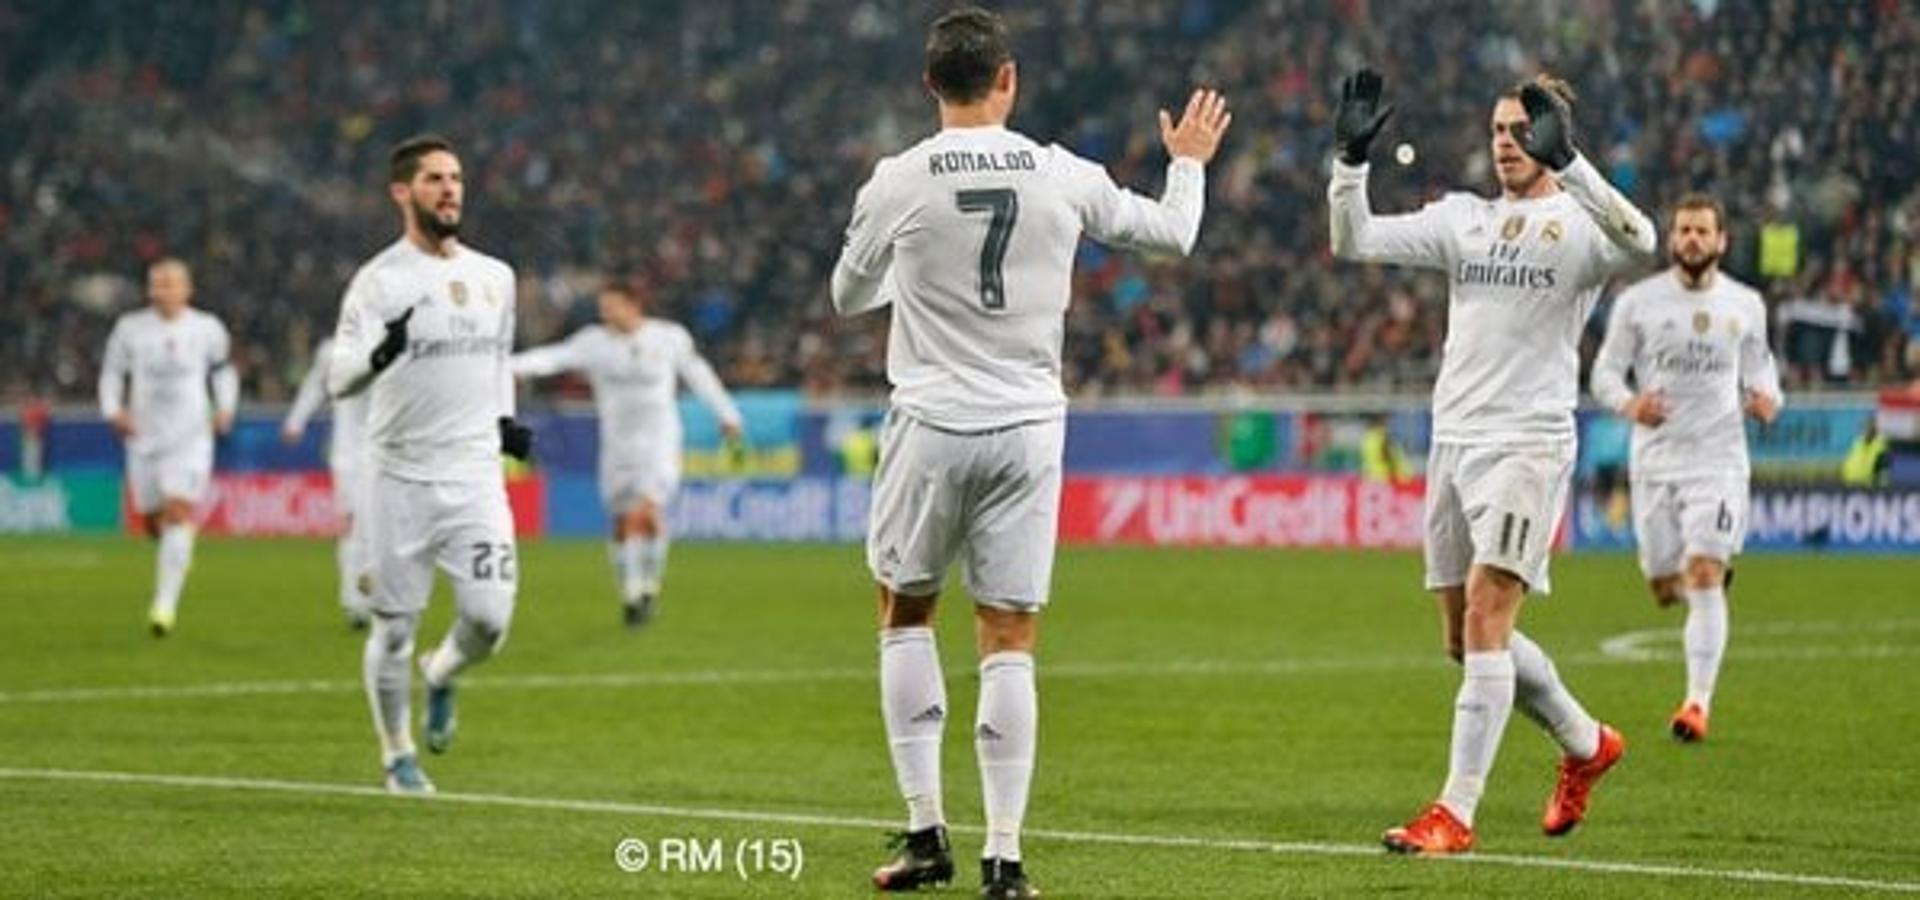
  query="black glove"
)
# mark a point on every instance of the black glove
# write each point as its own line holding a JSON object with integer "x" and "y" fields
{"x": 1359, "y": 116}
{"x": 516, "y": 440}
{"x": 393, "y": 344}
{"x": 1549, "y": 134}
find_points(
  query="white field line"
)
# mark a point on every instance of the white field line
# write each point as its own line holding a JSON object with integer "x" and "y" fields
{"x": 1644, "y": 645}
{"x": 754, "y": 817}
{"x": 1630, "y": 648}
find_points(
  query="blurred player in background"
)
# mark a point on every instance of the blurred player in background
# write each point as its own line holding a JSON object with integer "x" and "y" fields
{"x": 1695, "y": 340}
{"x": 1525, "y": 270}
{"x": 174, "y": 355}
{"x": 347, "y": 457}
{"x": 970, "y": 235}
{"x": 635, "y": 364}
{"x": 426, "y": 328}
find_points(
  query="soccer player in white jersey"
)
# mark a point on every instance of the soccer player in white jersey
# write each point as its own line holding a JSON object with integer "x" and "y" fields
{"x": 425, "y": 330}
{"x": 635, "y": 364}
{"x": 173, "y": 355}
{"x": 347, "y": 458}
{"x": 1525, "y": 269}
{"x": 970, "y": 237}
{"x": 1695, "y": 340}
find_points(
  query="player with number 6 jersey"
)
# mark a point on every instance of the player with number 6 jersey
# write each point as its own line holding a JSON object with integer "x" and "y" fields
{"x": 970, "y": 236}
{"x": 1695, "y": 341}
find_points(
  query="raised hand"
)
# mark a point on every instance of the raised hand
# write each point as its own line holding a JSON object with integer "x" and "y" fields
{"x": 1548, "y": 137}
{"x": 1197, "y": 135}
{"x": 1360, "y": 116}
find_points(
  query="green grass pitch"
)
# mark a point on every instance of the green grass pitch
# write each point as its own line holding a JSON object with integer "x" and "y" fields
{"x": 1213, "y": 723}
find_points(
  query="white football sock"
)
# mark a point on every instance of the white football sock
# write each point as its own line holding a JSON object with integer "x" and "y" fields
{"x": 1546, "y": 700}
{"x": 350, "y": 556}
{"x": 478, "y": 632}
{"x": 383, "y": 666}
{"x": 913, "y": 702}
{"x": 1004, "y": 738}
{"x": 1479, "y": 719}
{"x": 466, "y": 644}
{"x": 1706, "y": 642}
{"x": 170, "y": 566}
{"x": 653, "y": 562}
{"x": 625, "y": 556}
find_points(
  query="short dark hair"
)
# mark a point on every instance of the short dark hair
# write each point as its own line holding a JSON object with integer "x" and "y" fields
{"x": 965, "y": 50}
{"x": 404, "y": 162}
{"x": 1699, "y": 200}
{"x": 622, "y": 288}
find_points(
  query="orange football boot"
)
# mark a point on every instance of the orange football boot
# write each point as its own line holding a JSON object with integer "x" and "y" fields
{"x": 1577, "y": 776}
{"x": 1690, "y": 724}
{"x": 1435, "y": 831}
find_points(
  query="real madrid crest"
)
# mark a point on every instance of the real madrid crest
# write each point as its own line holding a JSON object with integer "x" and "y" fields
{"x": 1701, "y": 322}
{"x": 1512, "y": 227}
{"x": 1552, "y": 231}
{"x": 458, "y": 291}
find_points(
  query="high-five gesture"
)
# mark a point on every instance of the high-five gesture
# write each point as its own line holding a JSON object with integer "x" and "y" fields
{"x": 1198, "y": 134}
{"x": 1549, "y": 134}
{"x": 1360, "y": 116}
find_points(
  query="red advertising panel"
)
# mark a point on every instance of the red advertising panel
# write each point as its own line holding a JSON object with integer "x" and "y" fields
{"x": 1242, "y": 511}
{"x": 300, "y": 504}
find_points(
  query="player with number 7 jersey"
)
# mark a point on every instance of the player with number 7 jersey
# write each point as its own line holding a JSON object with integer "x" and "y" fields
{"x": 970, "y": 237}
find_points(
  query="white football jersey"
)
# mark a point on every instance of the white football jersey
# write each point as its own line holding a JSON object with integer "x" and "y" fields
{"x": 1704, "y": 350}
{"x": 433, "y": 415}
{"x": 1523, "y": 277}
{"x": 347, "y": 443}
{"x": 173, "y": 363}
{"x": 971, "y": 236}
{"x": 635, "y": 378}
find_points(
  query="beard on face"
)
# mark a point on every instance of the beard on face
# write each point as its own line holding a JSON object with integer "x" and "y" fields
{"x": 1698, "y": 264}
{"x": 437, "y": 228}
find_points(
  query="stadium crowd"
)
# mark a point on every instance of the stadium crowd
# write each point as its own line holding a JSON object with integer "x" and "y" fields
{"x": 709, "y": 151}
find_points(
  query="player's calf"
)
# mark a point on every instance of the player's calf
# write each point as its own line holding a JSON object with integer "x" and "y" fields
{"x": 1666, "y": 590}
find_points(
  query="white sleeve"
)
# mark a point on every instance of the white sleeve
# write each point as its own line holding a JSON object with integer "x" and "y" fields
{"x": 1119, "y": 217}
{"x": 868, "y": 252}
{"x": 1630, "y": 234}
{"x": 700, "y": 378}
{"x": 1757, "y": 369}
{"x": 552, "y": 359}
{"x": 313, "y": 391}
{"x": 509, "y": 314}
{"x": 114, "y": 368}
{"x": 226, "y": 381}
{"x": 1617, "y": 352}
{"x": 358, "y": 332}
{"x": 1411, "y": 239}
